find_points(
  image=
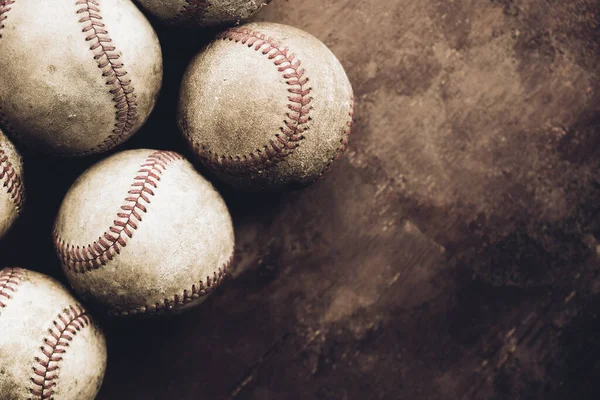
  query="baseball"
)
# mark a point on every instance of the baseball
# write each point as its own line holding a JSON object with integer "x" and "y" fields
{"x": 12, "y": 192}
{"x": 50, "y": 347}
{"x": 202, "y": 13}
{"x": 142, "y": 232}
{"x": 266, "y": 106}
{"x": 78, "y": 76}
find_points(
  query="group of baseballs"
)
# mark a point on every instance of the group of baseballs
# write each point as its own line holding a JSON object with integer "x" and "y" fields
{"x": 264, "y": 107}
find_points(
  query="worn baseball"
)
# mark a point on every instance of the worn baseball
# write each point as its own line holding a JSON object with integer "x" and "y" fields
{"x": 78, "y": 76}
{"x": 142, "y": 232}
{"x": 12, "y": 192}
{"x": 50, "y": 347}
{"x": 202, "y": 13}
{"x": 266, "y": 106}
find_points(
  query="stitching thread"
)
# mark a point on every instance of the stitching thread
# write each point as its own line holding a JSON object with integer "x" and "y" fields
{"x": 188, "y": 296}
{"x": 4, "y": 8}
{"x": 81, "y": 259}
{"x": 297, "y": 117}
{"x": 108, "y": 59}
{"x": 189, "y": 10}
{"x": 343, "y": 141}
{"x": 10, "y": 278}
{"x": 12, "y": 181}
{"x": 64, "y": 328}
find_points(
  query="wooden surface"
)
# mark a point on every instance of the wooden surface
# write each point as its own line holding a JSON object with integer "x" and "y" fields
{"x": 452, "y": 254}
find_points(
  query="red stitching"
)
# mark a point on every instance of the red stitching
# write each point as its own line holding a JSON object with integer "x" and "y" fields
{"x": 63, "y": 330}
{"x": 93, "y": 256}
{"x": 12, "y": 181}
{"x": 343, "y": 141}
{"x": 10, "y": 278}
{"x": 297, "y": 118}
{"x": 108, "y": 59}
{"x": 188, "y": 296}
{"x": 4, "y": 8}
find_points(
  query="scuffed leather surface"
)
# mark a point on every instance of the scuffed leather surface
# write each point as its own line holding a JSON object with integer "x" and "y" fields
{"x": 24, "y": 323}
{"x": 8, "y": 209}
{"x": 202, "y": 13}
{"x": 164, "y": 11}
{"x": 221, "y": 12}
{"x": 185, "y": 236}
{"x": 234, "y": 101}
{"x": 51, "y": 89}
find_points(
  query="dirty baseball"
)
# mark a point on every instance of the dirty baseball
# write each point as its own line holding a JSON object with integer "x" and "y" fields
{"x": 142, "y": 232}
{"x": 78, "y": 77}
{"x": 266, "y": 106}
{"x": 12, "y": 191}
{"x": 50, "y": 347}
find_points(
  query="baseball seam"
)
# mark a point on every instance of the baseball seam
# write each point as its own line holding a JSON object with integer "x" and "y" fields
{"x": 187, "y": 296}
{"x": 4, "y": 8}
{"x": 190, "y": 9}
{"x": 87, "y": 258}
{"x": 343, "y": 141}
{"x": 10, "y": 278}
{"x": 109, "y": 62}
{"x": 297, "y": 117}
{"x": 12, "y": 181}
{"x": 81, "y": 259}
{"x": 63, "y": 330}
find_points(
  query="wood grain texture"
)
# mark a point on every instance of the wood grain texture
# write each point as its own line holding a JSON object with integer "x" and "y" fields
{"x": 453, "y": 253}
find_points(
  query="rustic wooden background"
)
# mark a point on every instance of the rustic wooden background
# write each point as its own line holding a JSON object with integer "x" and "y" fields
{"x": 452, "y": 254}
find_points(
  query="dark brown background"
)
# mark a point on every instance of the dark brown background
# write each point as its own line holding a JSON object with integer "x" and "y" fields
{"x": 452, "y": 254}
